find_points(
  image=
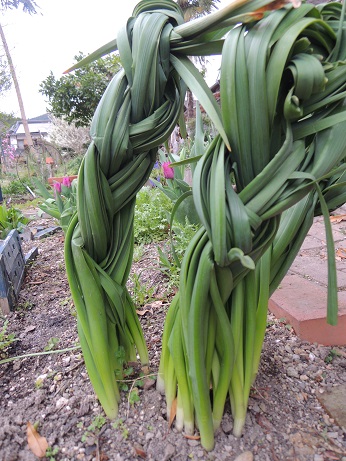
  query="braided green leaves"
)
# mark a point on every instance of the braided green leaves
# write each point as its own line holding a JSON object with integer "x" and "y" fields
{"x": 138, "y": 111}
{"x": 283, "y": 116}
{"x": 281, "y": 139}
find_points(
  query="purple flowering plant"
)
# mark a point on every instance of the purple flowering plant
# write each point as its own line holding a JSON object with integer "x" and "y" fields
{"x": 174, "y": 186}
{"x": 8, "y": 151}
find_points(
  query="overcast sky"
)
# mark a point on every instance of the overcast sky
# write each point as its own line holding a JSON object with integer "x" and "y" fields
{"x": 49, "y": 41}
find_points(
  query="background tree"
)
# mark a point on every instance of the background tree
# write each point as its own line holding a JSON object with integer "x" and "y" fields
{"x": 74, "y": 97}
{"x": 193, "y": 9}
{"x": 5, "y": 76}
{"x": 196, "y": 8}
{"x": 68, "y": 136}
{"x": 6, "y": 121}
{"x": 28, "y": 6}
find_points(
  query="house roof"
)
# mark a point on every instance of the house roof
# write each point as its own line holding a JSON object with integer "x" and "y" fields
{"x": 36, "y": 124}
{"x": 41, "y": 118}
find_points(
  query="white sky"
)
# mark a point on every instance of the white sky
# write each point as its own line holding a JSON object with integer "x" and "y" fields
{"x": 49, "y": 41}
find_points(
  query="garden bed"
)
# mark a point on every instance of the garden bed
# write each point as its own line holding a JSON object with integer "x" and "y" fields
{"x": 286, "y": 421}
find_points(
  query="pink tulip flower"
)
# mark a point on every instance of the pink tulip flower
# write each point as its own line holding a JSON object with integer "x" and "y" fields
{"x": 66, "y": 181}
{"x": 57, "y": 187}
{"x": 168, "y": 170}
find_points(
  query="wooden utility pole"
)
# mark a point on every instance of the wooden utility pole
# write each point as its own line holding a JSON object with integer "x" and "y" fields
{"x": 19, "y": 96}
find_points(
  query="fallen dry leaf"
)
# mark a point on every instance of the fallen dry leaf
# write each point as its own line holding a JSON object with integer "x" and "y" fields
{"x": 341, "y": 253}
{"x": 143, "y": 312}
{"x": 173, "y": 413}
{"x": 338, "y": 218}
{"x": 332, "y": 455}
{"x": 37, "y": 444}
{"x": 192, "y": 437}
{"x": 156, "y": 304}
{"x": 140, "y": 452}
{"x": 264, "y": 422}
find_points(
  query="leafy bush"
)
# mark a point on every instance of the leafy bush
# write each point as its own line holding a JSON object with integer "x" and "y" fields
{"x": 10, "y": 219}
{"x": 152, "y": 208}
{"x": 16, "y": 187}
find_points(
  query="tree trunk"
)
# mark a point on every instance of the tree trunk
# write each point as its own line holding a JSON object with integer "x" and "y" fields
{"x": 19, "y": 96}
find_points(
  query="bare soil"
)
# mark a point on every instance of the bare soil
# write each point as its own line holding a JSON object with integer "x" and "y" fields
{"x": 285, "y": 420}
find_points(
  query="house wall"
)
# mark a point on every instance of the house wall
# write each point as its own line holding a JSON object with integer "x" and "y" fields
{"x": 37, "y": 131}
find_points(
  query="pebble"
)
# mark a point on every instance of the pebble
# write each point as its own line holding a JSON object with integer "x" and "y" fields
{"x": 318, "y": 458}
{"x": 61, "y": 402}
{"x": 169, "y": 452}
{"x": 256, "y": 408}
{"x": 149, "y": 436}
{"x": 18, "y": 420}
{"x": 66, "y": 361}
{"x": 227, "y": 427}
{"x": 193, "y": 443}
{"x": 292, "y": 372}
{"x": 40, "y": 379}
{"x": 246, "y": 456}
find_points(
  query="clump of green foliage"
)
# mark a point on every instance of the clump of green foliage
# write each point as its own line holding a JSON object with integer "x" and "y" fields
{"x": 94, "y": 428}
{"x": 16, "y": 187}
{"x": 171, "y": 255}
{"x": 11, "y": 218}
{"x": 142, "y": 293}
{"x": 6, "y": 339}
{"x": 60, "y": 204}
{"x": 152, "y": 208}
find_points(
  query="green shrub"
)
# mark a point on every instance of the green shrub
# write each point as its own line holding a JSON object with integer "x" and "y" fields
{"x": 11, "y": 218}
{"x": 15, "y": 187}
{"x": 152, "y": 208}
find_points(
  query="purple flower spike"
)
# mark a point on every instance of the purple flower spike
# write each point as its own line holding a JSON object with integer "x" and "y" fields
{"x": 168, "y": 170}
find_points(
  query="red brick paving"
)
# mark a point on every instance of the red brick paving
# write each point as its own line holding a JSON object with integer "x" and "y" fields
{"x": 301, "y": 298}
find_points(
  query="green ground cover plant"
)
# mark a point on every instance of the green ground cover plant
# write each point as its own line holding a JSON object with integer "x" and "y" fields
{"x": 6, "y": 339}
{"x": 151, "y": 216}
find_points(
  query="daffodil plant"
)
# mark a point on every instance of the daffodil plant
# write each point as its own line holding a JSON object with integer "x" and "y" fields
{"x": 278, "y": 158}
